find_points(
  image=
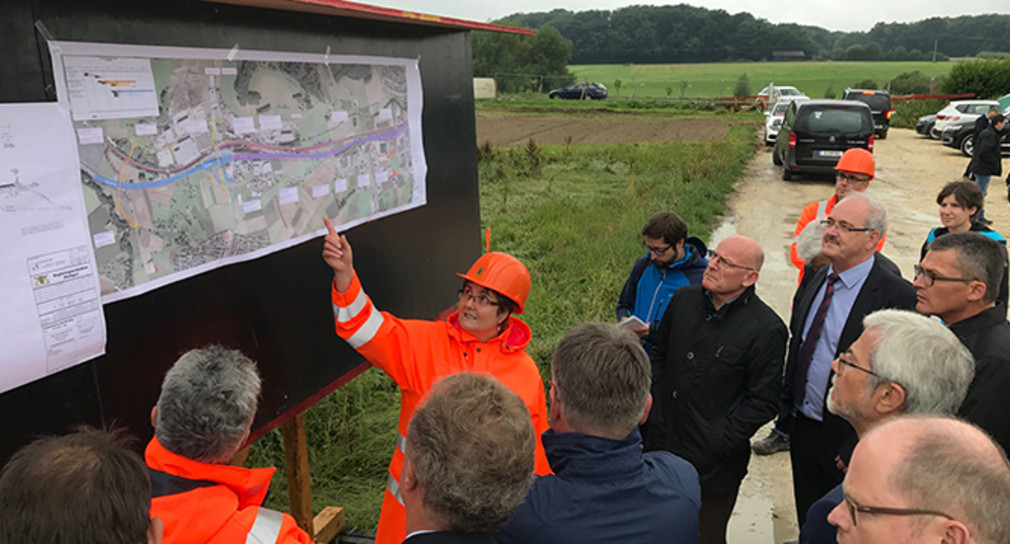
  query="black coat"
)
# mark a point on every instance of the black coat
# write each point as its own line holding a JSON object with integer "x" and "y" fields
{"x": 450, "y": 537}
{"x": 719, "y": 375}
{"x": 981, "y": 124}
{"x": 987, "y": 337}
{"x": 882, "y": 289}
{"x": 986, "y": 160}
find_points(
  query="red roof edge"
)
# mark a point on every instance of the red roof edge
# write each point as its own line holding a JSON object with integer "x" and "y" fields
{"x": 367, "y": 11}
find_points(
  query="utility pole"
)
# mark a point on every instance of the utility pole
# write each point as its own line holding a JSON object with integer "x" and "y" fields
{"x": 934, "y": 50}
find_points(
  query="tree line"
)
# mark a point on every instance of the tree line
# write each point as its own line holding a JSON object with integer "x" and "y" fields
{"x": 682, "y": 33}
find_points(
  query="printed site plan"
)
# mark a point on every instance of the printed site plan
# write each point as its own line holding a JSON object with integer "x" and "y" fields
{"x": 195, "y": 158}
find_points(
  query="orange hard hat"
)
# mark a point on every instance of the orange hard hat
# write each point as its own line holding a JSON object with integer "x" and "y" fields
{"x": 503, "y": 274}
{"x": 857, "y": 160}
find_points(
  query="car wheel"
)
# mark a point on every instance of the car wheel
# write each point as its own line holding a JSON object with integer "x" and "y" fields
{"x": 967, "y": 145}
{"x": 787, "y": 174}
{"x": 934, "y": 134}
{"x": 929, "y": 130}
{"x": 552, "y": 96}
{"x": 775, "y": 159}
{"x": 882, "y": 136}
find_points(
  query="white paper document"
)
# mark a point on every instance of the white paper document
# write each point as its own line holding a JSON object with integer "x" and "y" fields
{"x": 51, "y": 298}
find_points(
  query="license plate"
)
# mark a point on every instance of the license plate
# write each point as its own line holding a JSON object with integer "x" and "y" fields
{"x": 829, "y": 153}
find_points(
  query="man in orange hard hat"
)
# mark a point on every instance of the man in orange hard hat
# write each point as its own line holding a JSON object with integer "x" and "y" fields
{"x": 853, "y": 173}
{"x": 481, "y": 336}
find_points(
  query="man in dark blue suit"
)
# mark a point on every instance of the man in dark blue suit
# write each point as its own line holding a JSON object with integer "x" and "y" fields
{"x": 467, "y": 463}
{"x": 827, "y": 318}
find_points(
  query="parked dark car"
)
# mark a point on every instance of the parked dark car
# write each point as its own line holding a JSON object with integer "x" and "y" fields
{"x": 925, "y": 125}
{"x": 815, "y": 133}
{"x": 961, "y": 135}
{"x": 880, "y": 104}
{"x": 580, "y": 91}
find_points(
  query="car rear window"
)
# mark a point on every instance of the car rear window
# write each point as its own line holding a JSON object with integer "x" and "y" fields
{"x": 877, "y": 102}
{"x": 833, "y": 119}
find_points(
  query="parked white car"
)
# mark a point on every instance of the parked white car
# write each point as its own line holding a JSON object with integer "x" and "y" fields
{"x": 774, "y": 116}
{"x": 959, "y": 110}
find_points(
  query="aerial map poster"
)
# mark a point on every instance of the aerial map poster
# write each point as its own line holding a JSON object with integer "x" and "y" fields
{"x": 192, "y": 159}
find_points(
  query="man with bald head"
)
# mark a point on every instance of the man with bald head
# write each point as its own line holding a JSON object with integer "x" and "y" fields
{"x": 828, "y": 312}
{"x": 925, "y": 479}
{"x": 717, "y": 363}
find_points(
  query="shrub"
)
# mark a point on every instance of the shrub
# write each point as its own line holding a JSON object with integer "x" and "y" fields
{"x": 910, "y": 83}
{"x": 742, "y": 86}
{"x": 985, "y": 78}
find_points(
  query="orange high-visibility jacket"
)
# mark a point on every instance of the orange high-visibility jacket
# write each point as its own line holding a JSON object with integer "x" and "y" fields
{"x": 416, "y": 354}
{"x": 816, "y": 210}
{"x": 219, "y": 504}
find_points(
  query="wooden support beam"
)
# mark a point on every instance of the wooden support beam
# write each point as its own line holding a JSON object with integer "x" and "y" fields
{"x": 327, "y": 524}
{"x": 296, "y": 456}
{"x": 239, "y": 458}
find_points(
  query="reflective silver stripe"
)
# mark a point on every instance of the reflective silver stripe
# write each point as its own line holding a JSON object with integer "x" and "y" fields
{"x": 266, "y": 528}
{"x": 401, "y": 442}
{"x": 822, "y": 208}
{"x": 393, "y": 487}
{"x": 367, "y": 330}
{"x": 346, "y": 313}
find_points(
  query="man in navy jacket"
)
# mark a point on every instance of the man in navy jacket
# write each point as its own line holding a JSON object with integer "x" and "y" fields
{"x": 604, "y": 489}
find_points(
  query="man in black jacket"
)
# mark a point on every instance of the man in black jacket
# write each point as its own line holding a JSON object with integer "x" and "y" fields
{"x": 985, "y": 161}
{"x": 827, "y": 318}
{"x": 717, "y": 363}
{"x": 958, "y": 282}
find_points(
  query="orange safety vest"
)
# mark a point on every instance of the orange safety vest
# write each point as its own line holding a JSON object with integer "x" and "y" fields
{"x": 815, "y": 210}
{"x": 416, "y": 354}
{"x": 215, "y": 504}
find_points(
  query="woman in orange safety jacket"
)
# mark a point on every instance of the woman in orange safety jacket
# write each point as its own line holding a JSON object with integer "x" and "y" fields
{"x": 482, "y": 336}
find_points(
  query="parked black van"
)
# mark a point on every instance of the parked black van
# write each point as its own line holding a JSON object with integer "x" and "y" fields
{"x": 815, "y": 133}
{"x": 880, "y": 104}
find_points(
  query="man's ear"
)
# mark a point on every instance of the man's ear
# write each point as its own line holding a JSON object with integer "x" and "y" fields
{"x": 408, "y": 478}
{"x": 154, "y": 416}
{"x": 648, "y": 407}
{"x": 155, "y": 531}
{"x": 891, "y": 399}
{"x": 955, "y": 532}
{"x": 977, "y": 292}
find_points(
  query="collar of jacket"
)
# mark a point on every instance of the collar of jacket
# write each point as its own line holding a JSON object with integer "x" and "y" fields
{"x": 989, "y": 317}
{"x": 694, "y": 254}
{"x": 250, "y": 485}
{"x": 743, "y": 299}
{"x": 515, "y": 337}
{"x": 587, "y": 456}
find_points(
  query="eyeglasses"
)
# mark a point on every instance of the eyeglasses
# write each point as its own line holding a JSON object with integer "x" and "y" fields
{"x": 842, "y": 360}
{"x": 655, "y": 250}
{"x": 880, "y": 510}
{"x": 722, "y": 261}
{"x": 482, "y": 300}
{"x": 851, "y": 178}
{"x": 842, "y": 225}
{"x": 929, "y": 278}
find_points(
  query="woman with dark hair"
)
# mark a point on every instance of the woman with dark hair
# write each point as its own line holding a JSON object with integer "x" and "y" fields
{"x": 960, "y": 203}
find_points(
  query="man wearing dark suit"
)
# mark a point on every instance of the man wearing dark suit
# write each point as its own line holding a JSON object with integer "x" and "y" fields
{"x": 468, "y": 461}
{"x": 827, "y": 318}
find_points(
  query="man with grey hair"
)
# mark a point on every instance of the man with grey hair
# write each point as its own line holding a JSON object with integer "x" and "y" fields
{"x": 717, "y": 365}
{"x": 463, "y": 477}
{"x": 925, "y": 479}
{"x": 203, "y": 417}
{"x": 903, "y": 363}
{"x": 827, "y": 317}
{"x": 958, "y": 281}
{"x": 604, "y": 489}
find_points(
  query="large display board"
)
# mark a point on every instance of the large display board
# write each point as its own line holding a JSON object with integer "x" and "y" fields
{"x": 275, "y": 308}
{"x": 192, "y": 159}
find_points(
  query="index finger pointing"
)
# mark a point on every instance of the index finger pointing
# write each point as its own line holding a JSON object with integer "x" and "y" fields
{"x": 329, "y": 226}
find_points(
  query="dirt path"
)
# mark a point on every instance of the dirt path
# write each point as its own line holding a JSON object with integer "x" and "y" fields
{"x": 910, "y": 172}
{"x": 501, "y": 129}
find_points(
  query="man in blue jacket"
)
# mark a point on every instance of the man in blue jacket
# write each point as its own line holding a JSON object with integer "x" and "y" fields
{"x": 675, "y": 260}
{"x": 604, "y": 489}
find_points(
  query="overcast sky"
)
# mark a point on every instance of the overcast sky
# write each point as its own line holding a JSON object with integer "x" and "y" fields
{"x": 846, "y": 15}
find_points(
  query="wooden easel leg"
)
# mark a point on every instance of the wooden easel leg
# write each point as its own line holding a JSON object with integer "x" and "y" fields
{"x": 330, "y": 521}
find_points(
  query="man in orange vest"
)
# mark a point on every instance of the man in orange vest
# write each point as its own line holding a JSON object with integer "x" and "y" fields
{"x": 482, "y": 336}
{"x": 203, "y": 416}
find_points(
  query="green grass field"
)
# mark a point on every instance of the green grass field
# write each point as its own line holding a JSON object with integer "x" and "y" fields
{"x": 719, "y": 79}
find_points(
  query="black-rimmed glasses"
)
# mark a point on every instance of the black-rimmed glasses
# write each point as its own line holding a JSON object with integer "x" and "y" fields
{"x": 929, "y": 277}
{"x": 851, "y": 178}
{"x": 482, "y": 300}
{"x": 655, "y": 250}
{"x": 844, "y": 361}
{"x": 882, "y": 510}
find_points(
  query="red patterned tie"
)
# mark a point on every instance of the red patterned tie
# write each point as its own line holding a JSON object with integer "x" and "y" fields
{"x": 810, "y": 342}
